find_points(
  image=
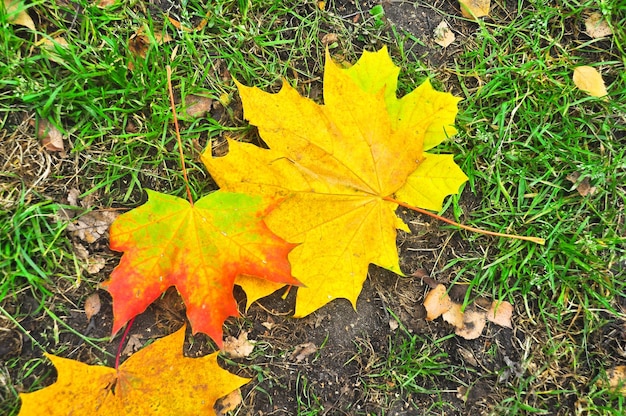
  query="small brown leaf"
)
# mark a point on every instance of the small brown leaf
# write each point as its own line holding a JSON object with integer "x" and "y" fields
{"x": 103, "y": 4}
{"x": 500, "y": 313}
{"x": 238, "y": 347}
{"x": 474, "y": 322}
{"x": 475, "y": 8}
{"x": 454, "y": 316}
{"x": 93, "y": 225}
{"x": 197, "y": 106}
{"x": 51, "y": 138}
{"x": 133, "y": 345}
{"x": 302, "y": 351}
{"x": 596, "y": 26}
{"x": 443, "y": 35}
{"x": 437, "y": 302}
{"x": 92, "y": 305}
{"x": 589, "y": 80}
{"x": 329, "y": 38}
{"x": 617, "y": 378}
{"x": 583, "y": 187}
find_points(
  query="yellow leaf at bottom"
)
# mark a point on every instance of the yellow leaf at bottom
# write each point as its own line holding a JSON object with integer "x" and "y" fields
{"x": 157, "y": 380}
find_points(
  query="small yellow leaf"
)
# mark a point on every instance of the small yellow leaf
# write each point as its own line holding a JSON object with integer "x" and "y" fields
{"x": 588, "y": 79}
{"x": 475, "y": 8}
{"x": 17, "y": 14}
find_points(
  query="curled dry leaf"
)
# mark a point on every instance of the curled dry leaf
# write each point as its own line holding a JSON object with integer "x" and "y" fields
{"x": 589, "y": 80}
{"x": 443, "y": 35}
{"x": 238, "y": 347}
{"x": 91, "y": 263}
{"x": 596, "y": 26}
{"x": 500, "y": 313}
{"x": 475, "y": 8}
{"x": 92, "y": 305}
{"x": 437, "y": 302}
{"x": 302, "y": 351}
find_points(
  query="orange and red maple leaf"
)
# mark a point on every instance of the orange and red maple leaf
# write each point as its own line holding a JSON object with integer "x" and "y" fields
{"x": 200, "y": 249}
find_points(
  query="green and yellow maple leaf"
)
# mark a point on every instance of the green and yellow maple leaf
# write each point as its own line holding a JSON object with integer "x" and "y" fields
{"x": 200, "y": 249}
{"x": 157, "y": 380}
{"x": 337, "y": 166}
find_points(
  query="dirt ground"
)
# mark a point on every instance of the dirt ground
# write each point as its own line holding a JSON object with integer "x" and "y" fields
{"x": 351, "y": 347}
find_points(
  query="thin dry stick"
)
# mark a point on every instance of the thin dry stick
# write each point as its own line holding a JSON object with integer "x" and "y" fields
{"x": 465, "y": 227}
{"x": 180, "y": 143}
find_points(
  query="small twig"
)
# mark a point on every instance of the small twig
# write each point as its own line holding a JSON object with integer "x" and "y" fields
{"x": 465, "y": 227}
{"x": 180, "y": 143}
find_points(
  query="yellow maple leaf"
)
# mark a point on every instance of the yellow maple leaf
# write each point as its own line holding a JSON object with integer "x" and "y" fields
{"x": 337, "y": 166}
{"x": 157, "y": 380}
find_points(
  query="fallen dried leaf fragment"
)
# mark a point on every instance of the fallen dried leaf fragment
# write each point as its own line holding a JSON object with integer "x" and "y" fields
{"x": 583, "y": 187}
{"x": 238, "y": 347}
{"x": 443, "y": 35}
{"x": 474, "y": 322}
{"x": 437, "y": 302}
{"x": 17, "y": 14}
{"x": 589, "y": 80}
{"x": 500, "y": 313}
{"x": 92, "y": 305}
{"x": 197, "y": 106}
{"x": 228, "y": 403}
{"x": 50, "y": 136}
{"x": 157, "y": 380}
{"x": 329, "y": 38}
{"x": 454, "y": 316}
{"x": 92, "y": 226}
{"x": 596, "y": 26}
{"x": 617, "y": 378}
{"x": 475, "y": 8}
{"x": 302, "y": 351}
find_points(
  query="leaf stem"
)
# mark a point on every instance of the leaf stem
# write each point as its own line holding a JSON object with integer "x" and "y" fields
{"x": 119, "y": 348}
{"x": 180, "y": 143}
{"x": 465, "y": 227}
